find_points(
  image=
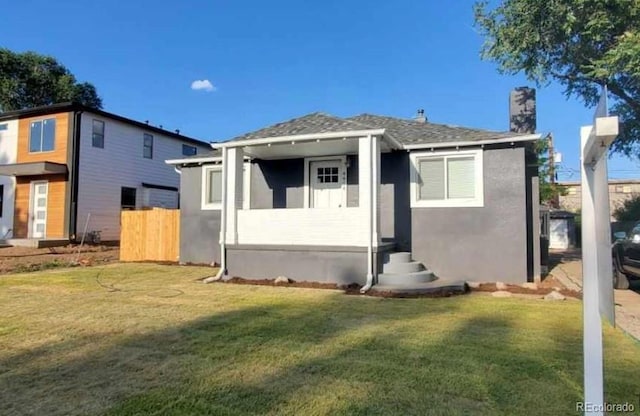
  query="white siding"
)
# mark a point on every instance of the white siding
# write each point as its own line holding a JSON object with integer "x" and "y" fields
{"x": 103, "y": 171}
{"x": 8, "y": 155}
{"x": 303, "y": 226}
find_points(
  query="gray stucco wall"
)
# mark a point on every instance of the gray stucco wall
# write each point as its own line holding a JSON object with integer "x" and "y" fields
{"x": 340, "y": 265}
{"x": 199, "y": 229}
{"x": 280, "y": 183}
{"x": 277, "y": 184}
{"x": 484, "y": 244}
{"x": 395, "y": 211}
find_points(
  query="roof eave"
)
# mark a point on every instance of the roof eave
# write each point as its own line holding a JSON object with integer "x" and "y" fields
{"x": 205, "y": 159}
{"x": 299, "y": 138}
{"x": 514, "y": 139}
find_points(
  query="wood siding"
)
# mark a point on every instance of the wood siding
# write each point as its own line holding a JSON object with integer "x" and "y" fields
{"x": 152, "y": 234}
{"x": 56, "y": 218}
{"x": 61, "y": 145}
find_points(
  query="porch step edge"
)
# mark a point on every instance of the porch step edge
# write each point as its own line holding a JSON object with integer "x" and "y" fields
{"x": 424, "y": 276}
{"x": 400, "y": 257}
{"x": 399, "y": 268}
{"x": 456, "y": 286}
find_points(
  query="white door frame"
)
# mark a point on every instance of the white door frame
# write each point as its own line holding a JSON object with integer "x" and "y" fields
{"x": 32, "y": 209}
{"x": 307, "y": 185}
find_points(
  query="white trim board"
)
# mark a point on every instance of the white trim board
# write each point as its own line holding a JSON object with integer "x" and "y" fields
{"x": 514, "y": 139}
{"x": 300, "y": 138}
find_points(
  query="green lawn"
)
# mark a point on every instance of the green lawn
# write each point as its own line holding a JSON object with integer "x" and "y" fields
{"x": 146, "y": 339}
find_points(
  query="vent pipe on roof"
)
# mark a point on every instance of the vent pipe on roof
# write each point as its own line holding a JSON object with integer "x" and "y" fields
{"x": 420, "y": 117}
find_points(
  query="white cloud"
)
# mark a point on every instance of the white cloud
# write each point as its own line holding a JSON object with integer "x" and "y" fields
{"x": 202, "y": 85}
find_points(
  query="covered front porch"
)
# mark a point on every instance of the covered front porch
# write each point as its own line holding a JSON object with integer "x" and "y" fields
{"x": 309, "y": 196}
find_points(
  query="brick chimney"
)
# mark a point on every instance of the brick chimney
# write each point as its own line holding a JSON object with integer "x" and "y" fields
{"x": 522, "y": 110}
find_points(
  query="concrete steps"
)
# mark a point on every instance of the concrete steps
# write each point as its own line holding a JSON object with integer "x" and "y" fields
{"x": 436, "y": 286}
{"x": 401, "y": 274}
{"x": 406, "y": 279}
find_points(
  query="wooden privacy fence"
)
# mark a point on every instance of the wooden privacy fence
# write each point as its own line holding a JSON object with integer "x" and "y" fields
{"x": 152, "y": 234}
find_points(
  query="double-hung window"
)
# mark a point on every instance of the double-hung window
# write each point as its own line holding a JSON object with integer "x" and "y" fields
{"x": 212, "y": 187}
{"x": 147, "y": 146}
{"x": 447, "y": 179}
{"x": 42, "y": 135}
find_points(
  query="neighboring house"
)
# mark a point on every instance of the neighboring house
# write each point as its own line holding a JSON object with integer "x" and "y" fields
{"x": 620, "y": 190}
{"x": 63, "y": 164}
{"x": 364, "y": 199}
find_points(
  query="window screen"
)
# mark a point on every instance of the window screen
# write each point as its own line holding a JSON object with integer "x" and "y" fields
{"x": 431, "y": 184}
{"x": 461, "y": 178}
{"x": 214, "y": 188}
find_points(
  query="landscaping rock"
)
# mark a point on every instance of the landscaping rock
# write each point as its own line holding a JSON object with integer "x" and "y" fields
{"x": 530, "y": 285}
{"x": 473, "y": 285}
{"x": 555, "y": 295}
{"x": 281, "y": 279}
{"x": 501, "y": 286}
{"x": 501, "y": 294}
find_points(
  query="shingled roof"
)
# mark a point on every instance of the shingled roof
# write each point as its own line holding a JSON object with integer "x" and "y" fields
{"x": 405, "y": 131}
{"x": 309, "y": 124}
{"x": 408, "y": 131}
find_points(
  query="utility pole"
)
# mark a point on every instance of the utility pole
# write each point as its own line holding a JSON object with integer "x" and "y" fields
{"x": 555, "y": 200}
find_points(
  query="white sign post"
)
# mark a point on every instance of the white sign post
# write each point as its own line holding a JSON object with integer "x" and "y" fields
{"x": 597, "y": 273}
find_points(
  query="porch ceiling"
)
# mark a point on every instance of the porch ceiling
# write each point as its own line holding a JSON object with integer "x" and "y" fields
{"x": 291, "y": 150}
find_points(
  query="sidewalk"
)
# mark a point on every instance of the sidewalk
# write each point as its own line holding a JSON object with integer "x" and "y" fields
{"x": 567, "y": 268}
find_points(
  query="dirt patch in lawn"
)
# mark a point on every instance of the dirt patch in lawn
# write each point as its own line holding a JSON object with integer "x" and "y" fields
{"x": 541, "y": 291}
{"x": 27, "y": 259}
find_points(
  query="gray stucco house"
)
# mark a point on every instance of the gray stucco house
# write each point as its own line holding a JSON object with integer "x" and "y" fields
{"x": 369, "y": 199}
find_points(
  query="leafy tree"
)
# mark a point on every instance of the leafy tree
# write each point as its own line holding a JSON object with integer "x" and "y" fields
{"x": 629, "y": 210}
{"x": 30, "y": 80}
{"x": 549, "y": 191}
{"x": 582, "y": 44}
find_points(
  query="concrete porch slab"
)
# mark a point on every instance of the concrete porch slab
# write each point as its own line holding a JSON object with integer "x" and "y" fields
{"x": 437, "y": 286}
{"x": 33, "y": 242}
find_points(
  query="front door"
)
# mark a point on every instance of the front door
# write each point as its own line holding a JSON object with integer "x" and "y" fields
{"x": 327, "y": 184}
{"x": 38, "y": 204}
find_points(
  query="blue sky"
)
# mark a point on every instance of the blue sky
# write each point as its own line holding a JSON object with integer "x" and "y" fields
{"x": 271, "y": 61}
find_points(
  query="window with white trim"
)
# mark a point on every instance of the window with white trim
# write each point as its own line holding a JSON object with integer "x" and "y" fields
{"x": 212, "y": 187}
{"x": 447, "y": 179}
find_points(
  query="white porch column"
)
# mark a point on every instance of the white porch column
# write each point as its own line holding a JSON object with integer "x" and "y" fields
{"x": 234, "y": 163}
{"x": 369, "y": 191}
